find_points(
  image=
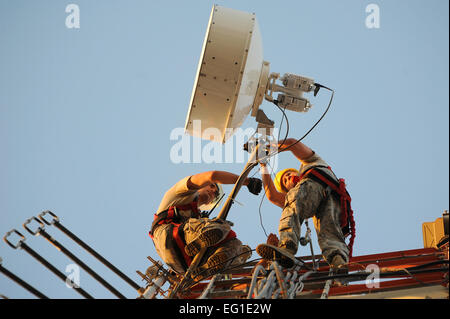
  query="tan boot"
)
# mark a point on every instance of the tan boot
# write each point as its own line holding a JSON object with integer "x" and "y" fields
{"x": 339, "y": 265}
{"x": 246, "y": 253}
{"x": 206, "y": 239}
{"x": 289, "y": 246}
{"x": 213, "y": 265}
{"x": 280, "y": 254}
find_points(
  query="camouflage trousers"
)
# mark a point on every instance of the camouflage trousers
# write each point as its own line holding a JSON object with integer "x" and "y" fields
{"x": 193, "y": 227}
{"x": 307, "y": 200}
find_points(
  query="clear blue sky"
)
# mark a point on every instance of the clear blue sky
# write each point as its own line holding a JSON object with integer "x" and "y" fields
{"x": 86, "y": 116}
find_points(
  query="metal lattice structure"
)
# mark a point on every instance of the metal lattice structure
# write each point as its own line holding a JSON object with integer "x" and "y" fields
{"x": 410, "y": 273}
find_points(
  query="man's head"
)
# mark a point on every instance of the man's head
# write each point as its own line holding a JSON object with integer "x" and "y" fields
{"x": 286, "y": 179}
{"x": 209, "y": 195}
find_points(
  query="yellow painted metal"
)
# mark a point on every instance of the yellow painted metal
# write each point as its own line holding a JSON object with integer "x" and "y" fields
{"x": 432, "y": 233}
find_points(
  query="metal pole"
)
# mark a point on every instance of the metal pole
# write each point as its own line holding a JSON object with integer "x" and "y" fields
{"x": 75, "y": 238}
{"x": 283, "y": 290}
{"x": 21, "y": 244}
{"x": 22, "y": 283}
{"x": 252, "y": 162}
{"x": 43, "y": 233}
{"x": 326, "y": 289}
{"x": 209, "y": 288}
{"x": 311, "y": 245}
{"x": 153, "y": 289}
{"x": 259, "y": 268}
{"x": 58, "y": 273}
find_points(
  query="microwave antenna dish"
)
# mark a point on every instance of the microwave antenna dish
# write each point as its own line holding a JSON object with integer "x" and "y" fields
{"x": 233, "y": 79}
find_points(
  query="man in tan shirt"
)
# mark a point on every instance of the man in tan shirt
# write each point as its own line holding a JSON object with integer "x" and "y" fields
{"x": 180, "y": 231}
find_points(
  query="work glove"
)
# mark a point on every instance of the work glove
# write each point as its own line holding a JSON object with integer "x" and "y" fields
{"x": 254, "y": 185}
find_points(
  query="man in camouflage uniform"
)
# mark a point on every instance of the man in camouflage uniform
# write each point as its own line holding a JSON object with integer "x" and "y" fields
{"x": 301, "y": 200}
{"x": 180, "y": 230}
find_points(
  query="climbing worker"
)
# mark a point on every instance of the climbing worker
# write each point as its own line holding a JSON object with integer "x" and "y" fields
{"x": 313, "y": 191}
{"x": 180, "y": 229}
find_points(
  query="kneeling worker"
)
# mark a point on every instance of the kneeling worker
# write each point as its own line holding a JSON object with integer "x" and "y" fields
{"x": 179, "y": 231}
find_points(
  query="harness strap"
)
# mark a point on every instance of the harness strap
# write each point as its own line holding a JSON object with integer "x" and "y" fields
{"x": 192, "y": 206}
{"x": 171, "y": 214}
{"x": 347, "y": 221}
{"x": 178, "y": 236}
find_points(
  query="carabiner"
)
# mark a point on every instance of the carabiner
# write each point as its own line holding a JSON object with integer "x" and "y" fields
{"x": 29, "y": 220}
{"x": 54, "y": 220}
{"x": 21, "y": 240}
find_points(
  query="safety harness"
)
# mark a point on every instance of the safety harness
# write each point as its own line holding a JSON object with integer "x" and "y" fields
{"x": 338, "y": 188}
{"x": 172, "y": 216}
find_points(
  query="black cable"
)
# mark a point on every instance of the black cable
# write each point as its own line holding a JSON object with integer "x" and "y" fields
{"x": 278, "y": 138}
{"x": 260, "y": 204}
{"x": 260, "y": 214}
{"x": 318, "y": 121}
{"x": 309, "y": 131}
{"x": 279, "y": 131}
{"x": 281, "y": 124}
{"x": 217, "y": 203}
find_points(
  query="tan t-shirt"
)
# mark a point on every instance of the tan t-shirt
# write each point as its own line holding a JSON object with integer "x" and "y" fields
{"x": 178, "y": 194}
{"x": 313, "y": 161}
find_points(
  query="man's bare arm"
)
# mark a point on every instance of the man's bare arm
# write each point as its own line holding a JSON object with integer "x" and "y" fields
{"x": 272, "y": 194}
{"x": 300, "y": 150}
{"x": 200, "y": 180}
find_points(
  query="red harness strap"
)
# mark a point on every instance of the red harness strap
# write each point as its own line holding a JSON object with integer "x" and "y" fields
{"x": 179, "y": 240}
{"x": 339, "y": 188}
{"x": 171, "y": 214}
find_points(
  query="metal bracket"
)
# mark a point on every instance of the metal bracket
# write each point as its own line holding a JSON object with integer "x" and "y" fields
{"x": 54, "y": 220}
{"x": 265, "y": 125}
{"x": 291, "y": 91}
{"x": 28, "y": 221}
{"x": 21, "y": 240}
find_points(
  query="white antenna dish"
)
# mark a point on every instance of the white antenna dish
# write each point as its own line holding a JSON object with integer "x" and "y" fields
{"x": 233, "y": 79}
